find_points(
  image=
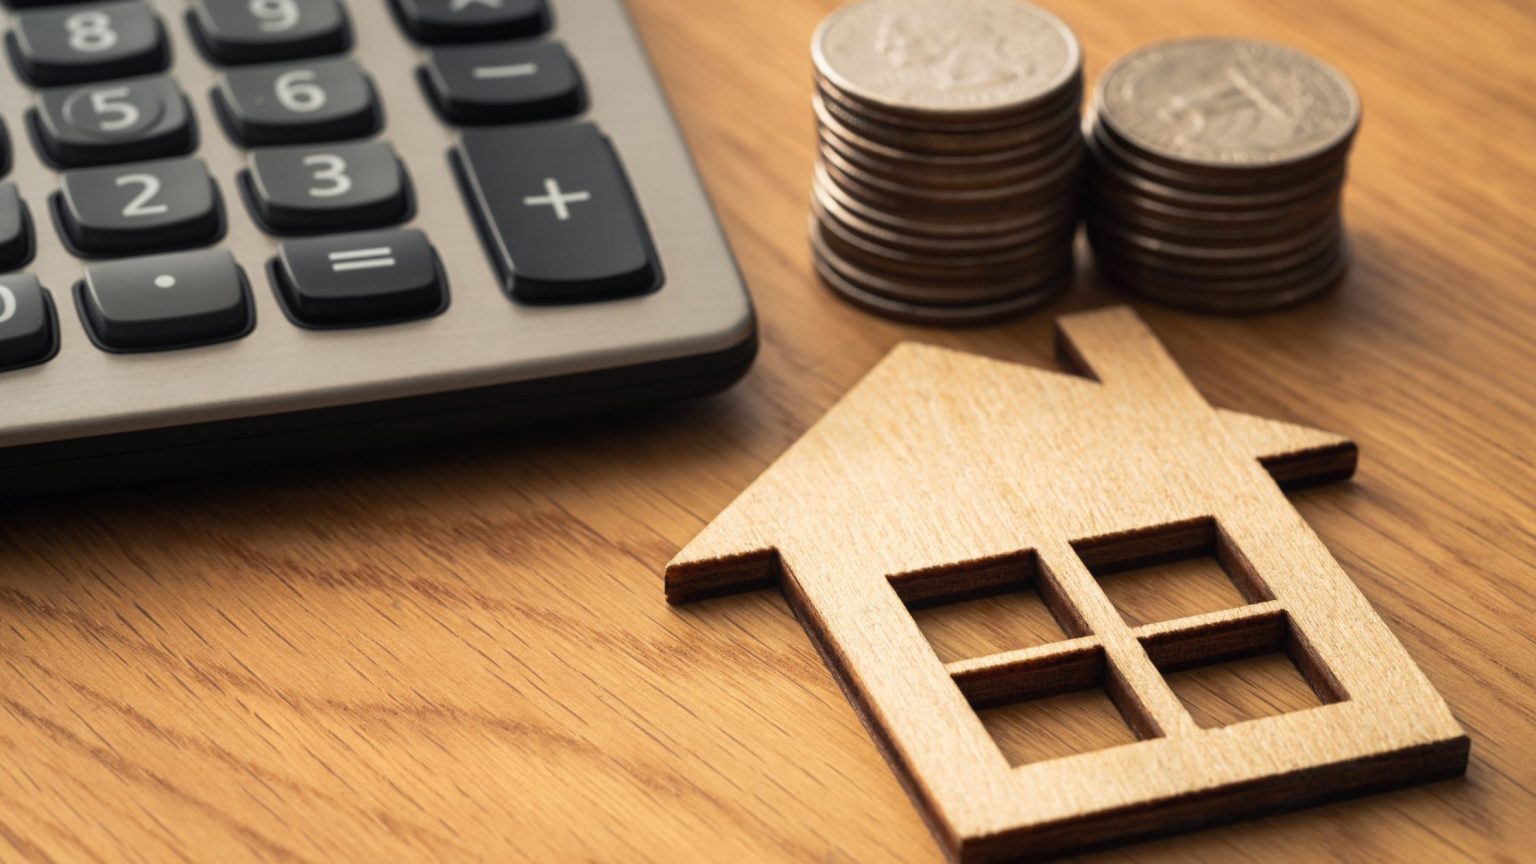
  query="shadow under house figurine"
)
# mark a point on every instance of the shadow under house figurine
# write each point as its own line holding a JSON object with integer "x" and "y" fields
{"x": 943, "y": 475}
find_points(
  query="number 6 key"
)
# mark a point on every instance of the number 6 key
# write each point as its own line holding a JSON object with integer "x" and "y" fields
{"x": 299, "y": 103}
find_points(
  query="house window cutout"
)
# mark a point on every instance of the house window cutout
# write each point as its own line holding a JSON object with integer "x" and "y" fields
{"x": 1037, "y": 730}
{"x": 1239, "y": 670}
{"x": 1248, "y": 689}
{"x": 986, "y": 607}
{"x": 1171, "y": 571}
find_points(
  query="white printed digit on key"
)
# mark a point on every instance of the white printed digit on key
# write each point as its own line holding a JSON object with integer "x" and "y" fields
{"x": 7, "y": 304}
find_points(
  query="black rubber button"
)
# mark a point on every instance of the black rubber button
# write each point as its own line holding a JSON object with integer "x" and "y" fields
{"x": 28, "y": 329}
{"x": 297, "y": 103}
{"x": 350, "y": 280}
{"x": 559, "y": 220}
{"x": 88, "y": 42}
{"x": 162, "y": 302}
{"x": 327, "y": 187}
{"x": 15, "y": 229}
{"x": 508, "y": 83}
{"x": 234, "y": 32}
{"x": 145, "y": 207}
{"x": 472, "y": 20}
{"x": 114, "y": 121}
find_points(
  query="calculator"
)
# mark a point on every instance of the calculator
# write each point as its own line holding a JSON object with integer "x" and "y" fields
{"x": 241, "y": 231}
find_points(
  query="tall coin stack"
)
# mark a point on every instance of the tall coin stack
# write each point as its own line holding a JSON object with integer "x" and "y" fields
{"x": 948, "y": 187}
{"x": 1217, "y": 174}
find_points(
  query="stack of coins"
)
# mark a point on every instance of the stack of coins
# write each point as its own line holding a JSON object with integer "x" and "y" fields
{"x": 1217, "y": 174}
{"x": 948, "y": 187}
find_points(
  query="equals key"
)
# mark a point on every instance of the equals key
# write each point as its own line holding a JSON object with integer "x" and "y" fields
{"x": 356, "y": 280}
{"x": 508, "y": 83}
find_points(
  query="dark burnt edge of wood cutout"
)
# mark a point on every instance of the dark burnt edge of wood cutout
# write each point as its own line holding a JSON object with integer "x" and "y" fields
{"x": 1217, "y": 637}
{"x": 988, "y": 577}
{"x": 1147, "y": 546}
{"x": 1030, "y": 673}
{"x": 1313, "y": 467}
{"x": 721, "y": 577}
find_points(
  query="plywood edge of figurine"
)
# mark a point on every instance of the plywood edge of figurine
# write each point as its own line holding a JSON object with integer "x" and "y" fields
{"x": 942, "y": 474}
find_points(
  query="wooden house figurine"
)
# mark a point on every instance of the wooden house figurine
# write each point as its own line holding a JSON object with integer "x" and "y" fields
{"x": 943, "y": 474}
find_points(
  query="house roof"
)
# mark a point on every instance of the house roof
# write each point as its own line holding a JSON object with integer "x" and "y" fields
{"x": 986, "y": 457}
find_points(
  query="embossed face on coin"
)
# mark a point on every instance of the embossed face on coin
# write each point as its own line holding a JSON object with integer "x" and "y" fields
{"x": 1228, "y": 103}
{"x": 946, "y": 56}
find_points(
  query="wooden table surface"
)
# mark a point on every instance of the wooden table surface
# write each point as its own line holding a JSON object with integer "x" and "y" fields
{"x": 462, "y": 653}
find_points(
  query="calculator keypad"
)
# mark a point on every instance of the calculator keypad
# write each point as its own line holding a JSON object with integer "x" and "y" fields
{"x": 144, "y": 207}
{"x": 505, "y": 83}
{"x": 327, "y": 187}
{"x": 234, "y": 32}
{"x": 113, "y": 121}
{"x": 435, "y": 21}
{"x": 88, "y": 42}
{"x": 556, "y": 212}
{"x": 166, "y": 301}
{"x": 28, "y": 331}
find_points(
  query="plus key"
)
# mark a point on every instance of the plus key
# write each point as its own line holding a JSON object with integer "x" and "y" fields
{"x": 560, "y": 220}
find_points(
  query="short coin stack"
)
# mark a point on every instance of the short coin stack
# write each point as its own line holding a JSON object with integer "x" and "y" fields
{"x": 1217, "y": 174}
{"x": 948, "y": 188}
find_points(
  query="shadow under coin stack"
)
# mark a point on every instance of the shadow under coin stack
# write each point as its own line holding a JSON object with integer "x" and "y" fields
{"x": 948, "y": 187}
{"x": 1217, "y": 174}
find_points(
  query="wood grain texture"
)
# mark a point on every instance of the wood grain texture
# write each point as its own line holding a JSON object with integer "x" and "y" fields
{"x": 460, "y": 654}
{"x": 942, "y": 474}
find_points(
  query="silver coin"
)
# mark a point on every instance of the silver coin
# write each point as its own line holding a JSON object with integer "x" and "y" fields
{"x": 1104, "y": 194}
{"x": 1195, "y": 179}
{"x": 943, "y": 291}
{"x": 949, "y": 141}
{"x": 963, "y": 224}
{"x": 1006, "y": 164}
{"x": 827, "y": 207}
{"x": 930, "y": 177}
{"x": 1213, "y": 234}
{"x": 1069, "y": 97}
{"x": 1127, "y": 256}
{"x": 943, "y": 316}
{"x": 1000, "y": 265}
{"x": 946, "y": 57}
{"x": 1064, "y": 179}
{"x": 1231, "y": 303}
{"x": 1228, "y": 103}
{"x": 1318, "y": 267}
{"x": 1203, "y": 249}
{"x": 828, "y": 125}
{"x": 1106, "y": 169}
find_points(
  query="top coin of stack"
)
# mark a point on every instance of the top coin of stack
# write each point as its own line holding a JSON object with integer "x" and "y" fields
{"x": 1217, "y": 173}
{"x": 948, "y": 185}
